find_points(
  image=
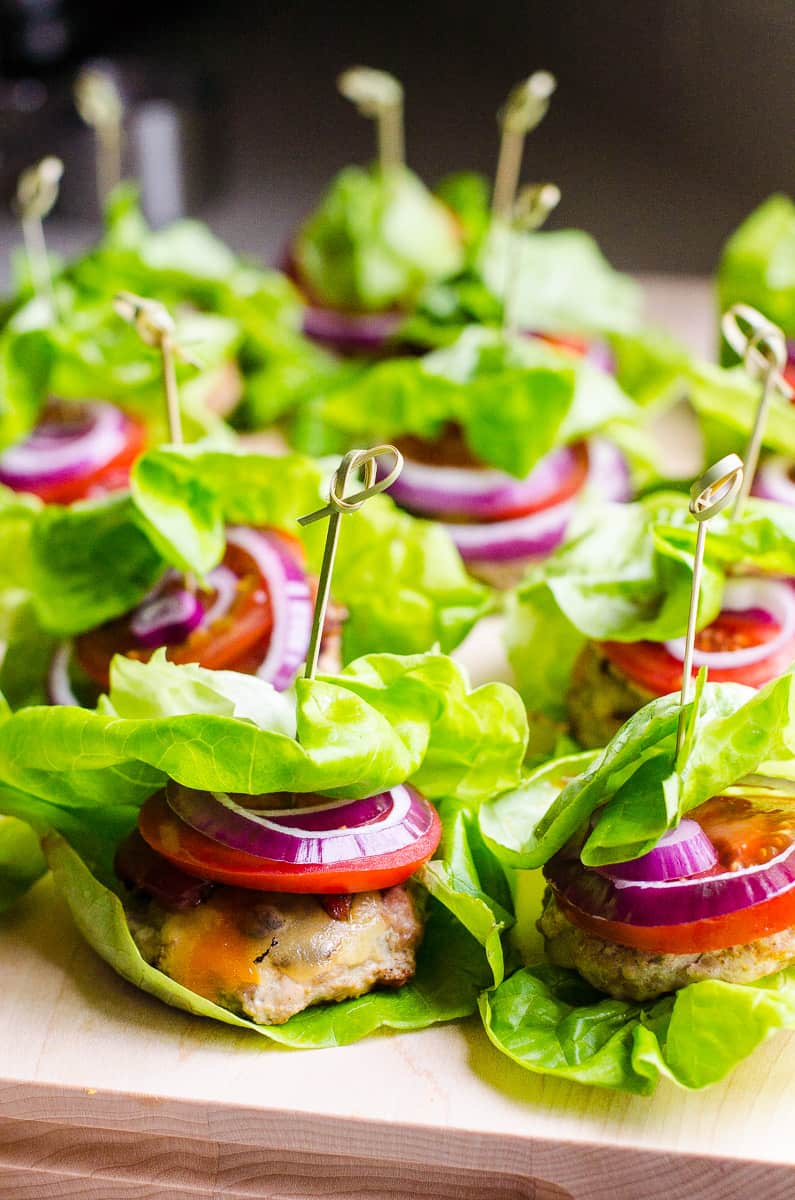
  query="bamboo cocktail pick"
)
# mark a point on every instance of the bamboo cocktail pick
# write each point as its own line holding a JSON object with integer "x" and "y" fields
{"x": 338, "y": 504}
{"x": 99, "y": 102}
{"x": 378, "y": 95}
{"x": 710, "y": 493}
{"x": 763, "y": 348}
{"x": 524, "y": 109}
{"x": 533, "y": 205}
{"x": 155, "y": 326}
{"x": 37, "y": 192}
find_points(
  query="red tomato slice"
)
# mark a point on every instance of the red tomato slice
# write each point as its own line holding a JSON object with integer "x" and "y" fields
{"x": 695, "y": 937}
{"x": 650, "y": 665}
{"x": 111, "y": 477}
{"x": 789, "y": 375}
{"x": 200, "y": 856}
{"x": 236, "y": 641}
{"x": 745, "y": 832}
{"x": 578, "y": 346}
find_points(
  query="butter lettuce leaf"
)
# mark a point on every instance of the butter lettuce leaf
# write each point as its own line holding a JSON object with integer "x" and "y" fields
{"x": 21, "y": 861}
{"x": 400, "y": 579}
{"x": 550, "y": 1021}
{"x": 375, "y": 240}
{"x": 757, "y": 266}
{"x": 624, "y": 574}
{"x": 515, "y": 399}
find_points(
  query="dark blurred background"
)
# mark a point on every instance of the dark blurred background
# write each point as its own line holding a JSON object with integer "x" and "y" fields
{"x": 671, "y": 120}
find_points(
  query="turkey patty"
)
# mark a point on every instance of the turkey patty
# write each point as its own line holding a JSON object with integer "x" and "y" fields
{"x": 267, "y": 956}
{"x": 640, "y": 975}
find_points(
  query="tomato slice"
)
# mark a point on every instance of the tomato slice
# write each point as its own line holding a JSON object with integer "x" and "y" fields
{"x": 199, "y": 856}
{"x": 654, "y": 669}
{"x": 236, "y": 641}
{"x": 745, "y": 832}
{"x": 112, "y": 476}
{"x": 577, "y": 346}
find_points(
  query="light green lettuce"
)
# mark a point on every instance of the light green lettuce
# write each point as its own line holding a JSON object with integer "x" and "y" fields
{"x": 227, "y": 311}
{"x": 550, "y": 1021}
{"x": 401, "y": 579}
{"x": 514, "y": 399}
{"x": 624, "y": 574}
{"x": 21, "y": 860}
{"x": 375, "y": 240}
{"x": 757, "y": 266}
{"x": 565, "y": 284}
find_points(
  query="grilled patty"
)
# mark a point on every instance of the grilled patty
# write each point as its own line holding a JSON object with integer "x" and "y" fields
{"x": 600, "y": 699}
{"x": 640, "y": 975}
{"x": 268, "y": 956}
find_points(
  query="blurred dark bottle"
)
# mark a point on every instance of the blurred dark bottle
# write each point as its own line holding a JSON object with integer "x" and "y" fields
{"x": 43, "y": 44}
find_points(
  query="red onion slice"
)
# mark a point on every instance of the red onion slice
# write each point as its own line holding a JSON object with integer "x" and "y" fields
{"x": 223, "y": 582}
{"x": 335, "y": 832}
{"x": 608, "y": 472}
{"x": 59, "y": 685}
{"x": 480, "y": 493}
{"x": 61, "y": 450}
{"x": 670, "y": 902}
{"x": 539, "y": 533}
{"x": 291, "y": 603}
{"x": 169, "y": 617}
{"x": 774, "y": 480}
{"x": 679, "y": 854}
{"x": 600, "y": 355}
{"x": 351, "y": 332}
{"x": 771, "y": 596}
{"x": 519, "y": 538}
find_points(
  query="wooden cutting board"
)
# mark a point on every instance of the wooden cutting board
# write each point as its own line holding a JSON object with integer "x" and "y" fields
{"x": 106, "y": 1094}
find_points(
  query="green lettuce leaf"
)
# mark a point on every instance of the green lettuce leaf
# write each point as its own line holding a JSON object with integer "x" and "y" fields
{"x": 566, "y": 286}
{"x": 227, "y": 310}
{"x": 726, "y": 401}
{"x": 383, "y": 721}
{"x": 550, "y": 1021}
{"x": 375, "y": 240}
{"x": 757, "y": 266}
{"x": 401, "y": 579}
{"x": 21, "y": 861}
{"x": 515, "y": 399}
{"x": 631, "y": 792}
{"x": 565, "y": 283}
{"x": 624, "y": 574}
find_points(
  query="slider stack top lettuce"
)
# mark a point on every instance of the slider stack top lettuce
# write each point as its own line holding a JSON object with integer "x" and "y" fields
{"x": 375, "y": 240}
{"x": 513, "y": 399}
{"x": 566, "y": 287}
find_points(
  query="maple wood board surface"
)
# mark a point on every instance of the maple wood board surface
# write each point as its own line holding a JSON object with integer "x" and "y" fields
{"x": 107, "y": 1094}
